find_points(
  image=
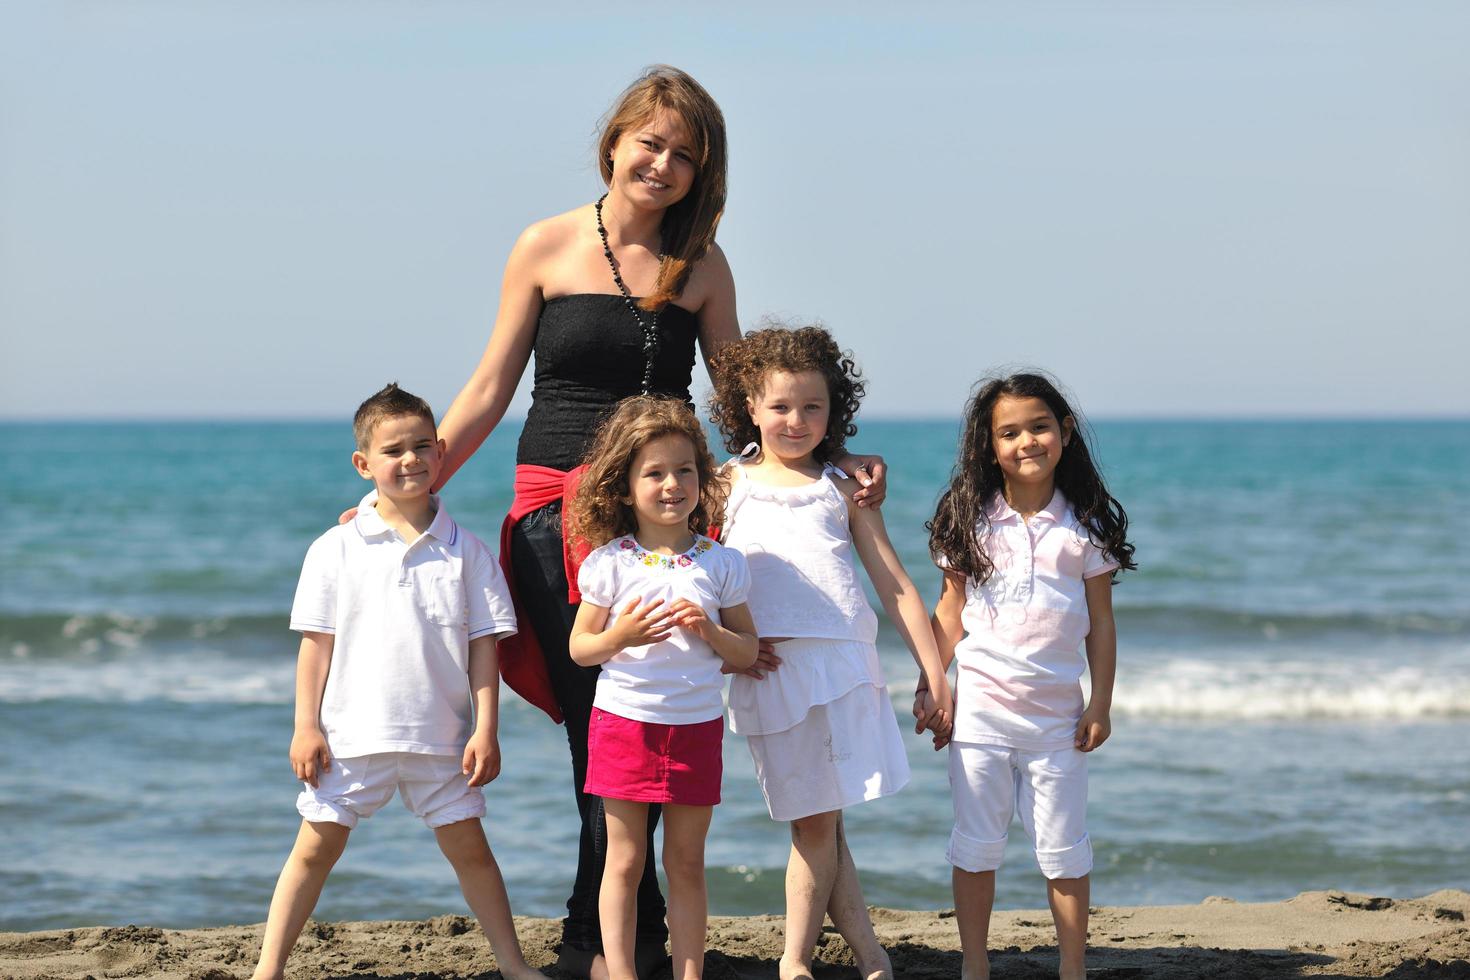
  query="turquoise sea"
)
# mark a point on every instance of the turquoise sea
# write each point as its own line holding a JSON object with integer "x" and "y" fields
{"x": 1292, "y": 712}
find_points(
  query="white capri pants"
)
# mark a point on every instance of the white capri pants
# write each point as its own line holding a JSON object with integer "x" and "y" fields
{"x": 1048, "y": 790}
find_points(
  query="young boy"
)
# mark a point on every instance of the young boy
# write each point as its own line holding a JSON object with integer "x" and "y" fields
{"x": 398, "y": 611}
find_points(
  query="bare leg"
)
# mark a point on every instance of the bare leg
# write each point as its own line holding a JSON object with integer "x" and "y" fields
{"x": 849, "y": 914}
{"x": 685, "y": 828}
{"x": 810, "y": 874}
{"x": 627, "y": 836}
{"x": 974, "y": 895}
{"x": 317, "y": 848}
{"x": 1068, "y": 898}
{"x": 464, "y": 844}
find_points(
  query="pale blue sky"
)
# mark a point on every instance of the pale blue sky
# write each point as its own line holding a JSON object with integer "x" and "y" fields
{"x": 269, "y": 209}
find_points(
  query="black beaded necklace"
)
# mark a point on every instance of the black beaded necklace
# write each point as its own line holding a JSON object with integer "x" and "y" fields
{"x": 648, "y": 323}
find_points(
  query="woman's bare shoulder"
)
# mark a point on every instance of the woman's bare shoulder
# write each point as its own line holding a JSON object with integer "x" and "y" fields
{"x": 549, "y": 236}
{"x": 710, "y": 278}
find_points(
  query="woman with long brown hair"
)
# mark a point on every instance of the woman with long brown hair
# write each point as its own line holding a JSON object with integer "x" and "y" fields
{"x": 612, "y": 297}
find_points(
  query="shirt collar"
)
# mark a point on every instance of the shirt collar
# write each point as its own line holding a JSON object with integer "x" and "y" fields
{"x": 370, "y": 523}
{"x": 1000, "y": 512}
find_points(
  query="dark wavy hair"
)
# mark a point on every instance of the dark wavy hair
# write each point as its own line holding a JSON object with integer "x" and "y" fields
{"x": 688, "y": 228}
{"x": 597, "y": 513}
{"x": 957, "y": 532}
{"x": 740, "y": 371}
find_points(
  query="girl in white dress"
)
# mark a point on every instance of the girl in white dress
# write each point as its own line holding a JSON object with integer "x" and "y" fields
{"x": 821, "y": 728}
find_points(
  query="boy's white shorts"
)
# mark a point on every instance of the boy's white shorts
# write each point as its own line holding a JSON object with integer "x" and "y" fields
{"x": 432, "y": 786}
{"x": 1048, "y": 790}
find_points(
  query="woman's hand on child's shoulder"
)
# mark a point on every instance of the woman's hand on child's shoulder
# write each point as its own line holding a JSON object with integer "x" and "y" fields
{"x": 870, "y": 474}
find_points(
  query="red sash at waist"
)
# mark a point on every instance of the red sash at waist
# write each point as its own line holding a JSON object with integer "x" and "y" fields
{"x": 521, "y": 662}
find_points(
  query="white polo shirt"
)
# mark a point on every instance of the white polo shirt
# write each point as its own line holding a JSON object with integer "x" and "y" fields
{"x": 1020, "y": 662}
{"x": 402, "y": 616}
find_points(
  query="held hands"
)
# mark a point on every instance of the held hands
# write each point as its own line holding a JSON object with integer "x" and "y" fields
{"x": 934, "y": 714}
{"x": 481, "y": 760}
{"x": 309, "y": 755}
{"x": 1094, "y": 728}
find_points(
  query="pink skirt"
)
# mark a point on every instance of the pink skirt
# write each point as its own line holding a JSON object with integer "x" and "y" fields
{"x": 645, "y": 762}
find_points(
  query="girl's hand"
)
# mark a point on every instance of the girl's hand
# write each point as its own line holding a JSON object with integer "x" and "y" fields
{"x": 481, "y": 760}
{"x": 1093, "y": 730}
{"x": 933, "y": 717}
{"x": 691, "y": 616}
{"x": 640, "y": 625}
{"x": 310, "y": 756}
{"x": 872, "y": 473}
{"x": 765, "y": 661}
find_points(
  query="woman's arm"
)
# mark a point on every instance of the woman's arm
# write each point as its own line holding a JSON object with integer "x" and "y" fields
{"x": 479, "y": 406}
{"x": 718, "y": 324}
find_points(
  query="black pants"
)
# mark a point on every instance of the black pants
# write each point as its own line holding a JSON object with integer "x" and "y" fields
{"x": 541, "y": 583}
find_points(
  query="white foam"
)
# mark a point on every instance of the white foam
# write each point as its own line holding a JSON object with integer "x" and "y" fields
{"x": 1255, "y": 689}
{"x": 202, "y": 679}
{"x": 1264, "y": 690}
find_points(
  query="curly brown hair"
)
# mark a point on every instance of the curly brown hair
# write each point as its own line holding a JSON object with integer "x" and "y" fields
{"x": 598, "y": 513}
{"x": 740, "y": 371}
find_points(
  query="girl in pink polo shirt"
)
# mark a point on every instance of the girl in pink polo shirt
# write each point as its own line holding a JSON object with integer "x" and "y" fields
{"x": 1029, "y": 539}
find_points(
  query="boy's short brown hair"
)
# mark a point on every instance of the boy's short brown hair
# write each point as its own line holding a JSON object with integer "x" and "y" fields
{"x": 391, "y": 402}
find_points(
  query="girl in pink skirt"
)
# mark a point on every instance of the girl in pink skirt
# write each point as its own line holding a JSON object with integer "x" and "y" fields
{"x": 663, "y": 609}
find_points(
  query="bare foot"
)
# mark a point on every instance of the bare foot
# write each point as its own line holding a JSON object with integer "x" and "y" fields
{"x": 792, "y": 970}
{"x": 879, "y": 968}
{"x": 979, "y": 969}
{"x": 523, "y": 972}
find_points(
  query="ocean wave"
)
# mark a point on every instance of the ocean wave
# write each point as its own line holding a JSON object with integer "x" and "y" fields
{"x": 1269, "y": 691}
{"x": 1266, "y": 690}
{"x": 46, "y": 636}
{"x": 105, "y": 635}
{"x": 1218, "y": 621}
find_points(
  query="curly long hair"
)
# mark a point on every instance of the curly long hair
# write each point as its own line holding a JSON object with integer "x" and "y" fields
{"x": 688, "y": 228}
{"x": 741, "y": 369}
{"x": 958, "y": 531}
{"x": 598, "y": 512}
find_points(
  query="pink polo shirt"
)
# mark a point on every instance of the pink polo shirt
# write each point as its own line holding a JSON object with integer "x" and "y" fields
{"x": 1021, "y": 662}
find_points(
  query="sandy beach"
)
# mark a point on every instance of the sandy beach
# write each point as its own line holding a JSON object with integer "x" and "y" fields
{"x": 1316, "y": 934}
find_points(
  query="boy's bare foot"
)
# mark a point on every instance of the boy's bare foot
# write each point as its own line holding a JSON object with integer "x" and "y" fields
{"x": 792, "y": 970}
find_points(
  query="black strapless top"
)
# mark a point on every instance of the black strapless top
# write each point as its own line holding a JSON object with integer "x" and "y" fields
{"x": 589, "y": 356}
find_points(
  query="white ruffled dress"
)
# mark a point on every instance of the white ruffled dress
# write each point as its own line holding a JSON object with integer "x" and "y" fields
{"x": 821, "y": 728}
